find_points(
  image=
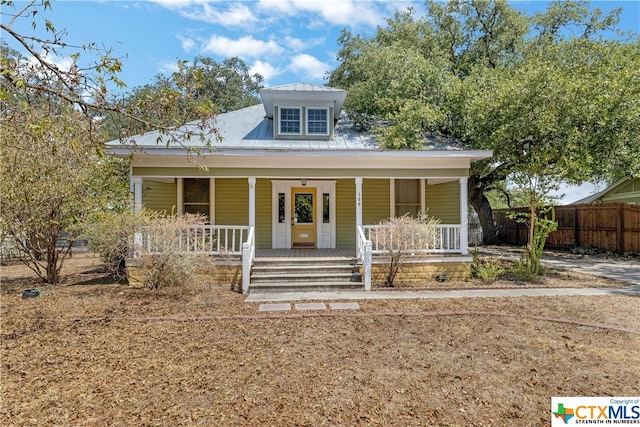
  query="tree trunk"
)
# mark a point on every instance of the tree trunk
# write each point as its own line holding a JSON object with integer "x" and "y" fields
{"x": 481, "y": 204}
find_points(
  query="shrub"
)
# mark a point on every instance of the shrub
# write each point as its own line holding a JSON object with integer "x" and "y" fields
{"x": 110, "y": 235}
{"x": 162, "y": 254}
{"x": 401, "y": 237}
{"x": 487, "y": 269}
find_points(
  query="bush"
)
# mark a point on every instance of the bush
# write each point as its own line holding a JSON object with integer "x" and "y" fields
{"x": 400, "y": 237}
{"x": 162, "y": 255}
{"x": 487, "y": 269}
{"x": 110, "y": 235}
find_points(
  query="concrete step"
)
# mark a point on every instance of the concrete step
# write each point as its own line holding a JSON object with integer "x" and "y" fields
{"x": 305, "y": 274}
{"x": 303, "y": 269}
{"x": 305, "y": 286}
{"x": 324, "y": 261}
{"x": 306, "y": 277}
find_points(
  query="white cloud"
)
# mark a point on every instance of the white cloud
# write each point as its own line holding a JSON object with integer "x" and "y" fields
{"x": 336, "y": 12}
{"x": 188, "y": 45}
{"x": 244, "y": 47}
{"x": 266, "y": 70}
{"x": 308, "y": 67}
{"x": 228, "y": 14}
{"x": 295, "y": 43}
{"x": 168, "y": 67}
{"x": 240, "y": 14}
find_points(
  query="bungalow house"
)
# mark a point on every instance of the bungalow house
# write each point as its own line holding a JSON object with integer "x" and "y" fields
{"x": 625, "y": 190}
{"x": 291, "y": 177}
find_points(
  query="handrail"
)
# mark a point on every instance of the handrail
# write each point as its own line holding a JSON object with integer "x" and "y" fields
{"x": 364, "y": 255}
{"x": 202, "y": 239}
{"x": 248, "y": 255}
{"x": 445, "y": 239}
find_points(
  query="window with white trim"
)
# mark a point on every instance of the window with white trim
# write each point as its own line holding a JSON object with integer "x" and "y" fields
{"x": 317, "y": 123}
{"x": 290, "y": 121}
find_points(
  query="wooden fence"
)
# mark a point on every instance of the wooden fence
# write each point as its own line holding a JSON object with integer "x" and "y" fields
{"x": 609, "y": 226}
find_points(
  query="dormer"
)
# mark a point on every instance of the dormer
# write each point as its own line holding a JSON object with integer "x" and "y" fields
{"x": 303, "y": 111}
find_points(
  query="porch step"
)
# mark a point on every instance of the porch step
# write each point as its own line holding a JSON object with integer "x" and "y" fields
{"x": 305, "y": 274}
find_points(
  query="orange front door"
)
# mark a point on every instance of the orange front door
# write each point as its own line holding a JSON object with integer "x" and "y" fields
{"x": 303, "y": 227}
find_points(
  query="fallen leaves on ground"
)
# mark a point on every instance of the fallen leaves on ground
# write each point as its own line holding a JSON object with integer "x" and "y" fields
{"x": 93, "y": 352}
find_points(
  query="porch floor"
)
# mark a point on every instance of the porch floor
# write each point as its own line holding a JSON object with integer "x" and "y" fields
{"x": 305, "y": 253}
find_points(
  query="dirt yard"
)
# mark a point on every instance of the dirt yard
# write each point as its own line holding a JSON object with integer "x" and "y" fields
{"x": 92, "y": 352}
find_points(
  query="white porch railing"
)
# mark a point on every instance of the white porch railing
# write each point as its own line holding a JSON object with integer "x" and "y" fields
{"x": 248, "y": 255}
{"x": 364, "y": 255}
{"x": 445, "y": 239}
{"x": 202, "y": 239}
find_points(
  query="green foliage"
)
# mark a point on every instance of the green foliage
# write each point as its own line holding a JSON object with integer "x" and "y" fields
{"x": 540, "y": 227}
{"x": 548, "y": 94}
{"x": 195, "y": 92}
{"x": 488, "y": 269}
{"x": 51, "y": 182}
{"x": 166, "y": 263}
{"x": 110, "y": 235}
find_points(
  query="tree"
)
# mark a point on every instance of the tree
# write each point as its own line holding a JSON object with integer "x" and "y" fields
{"x": 513, "y": 84}
{"x": 187, "y": 94}
{"x": 33, "y": 67}
{"x": 51, "y": 182}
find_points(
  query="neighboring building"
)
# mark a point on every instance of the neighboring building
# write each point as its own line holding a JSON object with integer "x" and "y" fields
{"x": 293, "y": 173}
{"x": 626, "y": 190}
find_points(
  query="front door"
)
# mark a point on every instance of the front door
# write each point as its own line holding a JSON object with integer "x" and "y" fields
{"x": 303, "y": 227}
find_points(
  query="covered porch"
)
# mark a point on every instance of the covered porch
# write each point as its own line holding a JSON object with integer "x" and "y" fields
{"x": 344, "y": 220}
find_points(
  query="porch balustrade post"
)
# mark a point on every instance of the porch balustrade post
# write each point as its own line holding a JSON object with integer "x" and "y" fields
{"x": 464, "y": 216}
{"x": 367, "y": 261}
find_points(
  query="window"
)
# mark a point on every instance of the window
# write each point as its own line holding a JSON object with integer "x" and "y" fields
{"x": 317, "y": 123}
{"x": 290, "y": 120}
{"x": 408, "y": 197}
{"x": 196, "y": 196}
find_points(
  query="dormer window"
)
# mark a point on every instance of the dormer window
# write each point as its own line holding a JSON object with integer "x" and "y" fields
{"x": 317, "y": 123}
{"x": 302, "y": 111}
{"x": 290, "y": 123}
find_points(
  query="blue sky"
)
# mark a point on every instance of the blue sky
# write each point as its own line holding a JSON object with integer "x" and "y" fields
{"x": 286, "y": 41}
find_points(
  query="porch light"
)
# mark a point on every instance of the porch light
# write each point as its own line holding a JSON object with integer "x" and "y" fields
{"x": 303, "y": 181}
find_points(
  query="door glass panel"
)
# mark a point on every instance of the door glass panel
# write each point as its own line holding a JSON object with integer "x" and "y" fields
{"x": 326, "y": 218}
{"x": 303, "y": 208}
{"x": 281, "y": 208}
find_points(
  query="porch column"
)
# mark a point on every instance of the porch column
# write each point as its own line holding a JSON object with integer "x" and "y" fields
{"x": 464, "y": 216}
{"x": 137, "y": 194}
{"x": 358, "y": 201}
{"x": 180, "y": 196}
{"x": 252, "y": 201}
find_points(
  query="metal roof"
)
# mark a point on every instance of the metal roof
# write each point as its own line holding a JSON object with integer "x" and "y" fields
{"x": 250, "y": 129}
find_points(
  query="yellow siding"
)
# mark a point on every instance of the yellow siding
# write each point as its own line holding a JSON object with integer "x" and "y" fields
{"x": 159, "y": 196}
{"x": 263, "y": 213}
{"x": 346, "y": 213}
{"x": 375, "y": 195}
{"x": 443, "y": 202}
{"x": 232, "y": 201}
